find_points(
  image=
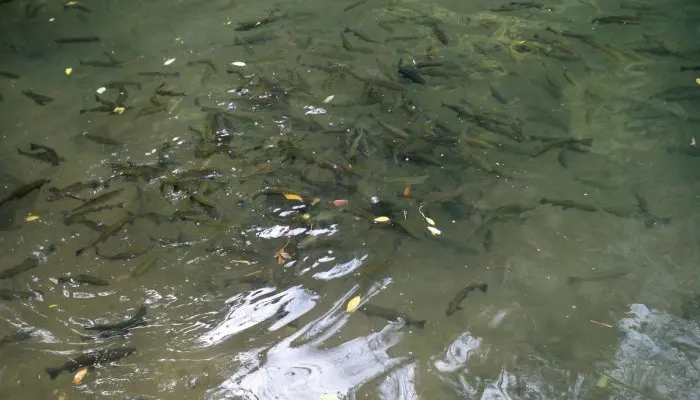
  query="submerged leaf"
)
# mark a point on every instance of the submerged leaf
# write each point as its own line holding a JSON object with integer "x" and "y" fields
{"x": 382, "y": 219}
{"x": 30, "y": 218}
{"x": 435, "y": 231}
{"x": 353, "y": 303}
{"x": 292, "y": 196}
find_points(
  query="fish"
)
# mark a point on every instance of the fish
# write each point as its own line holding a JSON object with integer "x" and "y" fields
{"x": 74, "y": 5}
{"x": 144, "y": 266}
{"x": 29, "y": 263}
{"x": 9, "y": 294}
{"x": 82, "y": 279}
{"x": 90, "y": 359}
{"x": 410, "y": 73}
{"x": 43, "y": 153}
{"x": 390, "y": 315}
{"x": 106, "y": 233}
{"x": 439, "y": 33}
{"x": 80, "y": 39}
{"x": 595, "y": 278}
{"x": 683, "y": 68}
{"x": 569, "y": 204}
{"x": 347, "y": 8}
{"x": 617, "y": 19}
{"x": 205, "y": 61}
{"x": 397, "y": 132}
{"x": 39, "y": 99}
{"x": 118, "y": 329}
{"x": 161, "y": 74}
{"x": 14, "y": 77}
{"x": 125, "y": 255}
{"x": 462, "y": 294}
{"x": 360, "y": 35}
{"x": 16, "y": 337}
{"x": 246, "y": 26}
{"x": 101, "y": 139}
{"x": 23, "y": 191}
{"x": 96, "y": 201}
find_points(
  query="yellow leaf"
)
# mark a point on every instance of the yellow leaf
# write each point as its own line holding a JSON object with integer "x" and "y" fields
{"x": 80, "y": 375}
{"x": 30, "y": 218}
{"x": 69, "y": 71}
{"x": 382, "y": 219}
{"x": 53, "y": 306}
{"x": 315, "y": 201}
{"x": 435, "y": 231}
{"x": 353, "y": 303}
{"x": 697, "y": 80}
{"x": 119, "y": 110}
{"x": 292, "y": 196}
{"x": 430, "y": 221}
{"x": 602, "y": 382}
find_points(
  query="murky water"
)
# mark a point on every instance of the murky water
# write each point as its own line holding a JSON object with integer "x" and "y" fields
{"x": 266, "y": 163}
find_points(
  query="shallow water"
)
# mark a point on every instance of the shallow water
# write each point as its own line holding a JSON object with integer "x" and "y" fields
{"x": 242, "y": 303}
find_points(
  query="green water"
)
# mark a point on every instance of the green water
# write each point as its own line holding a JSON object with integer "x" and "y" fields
{"x": 243, "y": 303}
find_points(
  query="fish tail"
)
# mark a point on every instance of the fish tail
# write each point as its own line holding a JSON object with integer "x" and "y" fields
{"x": 53, "y": 372}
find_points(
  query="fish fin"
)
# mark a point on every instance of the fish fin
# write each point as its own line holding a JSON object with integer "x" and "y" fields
{"x": 53, "y": 372}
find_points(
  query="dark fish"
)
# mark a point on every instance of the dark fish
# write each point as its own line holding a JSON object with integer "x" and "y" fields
{"x": 595, "y": 278}
{"x": 410, "y": 73}
{"x": 43, "y": 153}
{"x": 690, "y": 68}
{"x": 23, "y": 191}
{"x": 360, "y": 35}
{"x": 462, "y": 294}
{"x": 569, "y": 204}
{"x": 82, "y": 39}
{"x": 161, "y": 74}
{"x": 82, "y": 279}
{"x": 439, "y": 33}
{"x": 120, "y": 328}
{"x": 390, "y": 315}
{"x": 16, "y": 337}
{"x": 570, "y": 143}
{"x": 497, "y": 95}
{"x": 96, "y": 201}
{"x": 101, "y": 139}
{"x": 617, "y": 19}
{"x": 246, "y": 26}
{"x": 205, "y": 61}
{"x": 29, "y": 263}
{"x": 32, "y": 10}
{"x": 144, "y": 266}
{"x": 90, "y": 359}
{"x": 39, "y": 99}
{"x": 8, "y": 294}
{"x": 125, "y": 255}
{"x": 106, "y": 233}
{"x": 347, "y": 8}
{"x": 10, "y": 75}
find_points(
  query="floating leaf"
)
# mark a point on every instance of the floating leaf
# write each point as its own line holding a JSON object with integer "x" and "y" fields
{"x": 80, "y": 375}
{"x": 353, "y": 303}
{"x": 340, "y": 202}
{"x": 169, "y": 61}
{"x": 292, "y": 196}
{"x": 429, "y": 220}
{"x": 30, "y": 218}
{"x": 119, "y": 110}
{"x": 69, "y": 71}
{"x": 328, "y": 99}
{"x": 101, "y": 90}
{"x": 382, "y": 219}
{"x": 697, "y": 80}
{"x": 435, "y": 231}
{"x": 238, "y": 64}
{"x": 315, "y": 201}
{"x": 407, "y": 191}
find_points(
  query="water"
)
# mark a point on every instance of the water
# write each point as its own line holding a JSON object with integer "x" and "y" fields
{"x": 241, "y": 305}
